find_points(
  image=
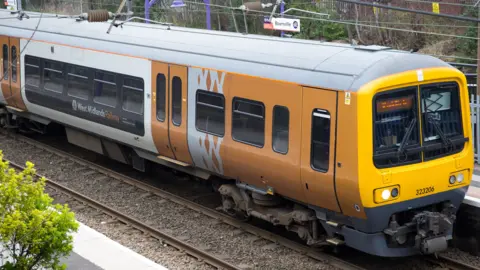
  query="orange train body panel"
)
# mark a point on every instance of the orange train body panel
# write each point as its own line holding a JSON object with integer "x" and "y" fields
{"x": 288, "y": 173}
{"x": 261, "y": 166}
{"x": 346, "y": 176}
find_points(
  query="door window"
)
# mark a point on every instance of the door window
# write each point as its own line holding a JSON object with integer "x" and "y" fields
{"x": 320, "y": 147}
{"x": 14, "y": 64}
{"x": 5, "y": 61}
{"x": 177, "y": 101}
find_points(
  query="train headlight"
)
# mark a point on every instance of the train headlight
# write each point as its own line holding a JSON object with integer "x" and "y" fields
{"x": 394, "y": 192}
{"x": 452, "y": 179}
{"x": 460, "y": 177}
{"x": 386, "y": 194}
{"x": 382, "y": 195}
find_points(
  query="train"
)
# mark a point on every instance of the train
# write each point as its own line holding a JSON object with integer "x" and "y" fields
{"x": 362, "y": 146}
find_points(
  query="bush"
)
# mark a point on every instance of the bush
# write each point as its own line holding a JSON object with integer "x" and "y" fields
{"x": 33, "y": 233}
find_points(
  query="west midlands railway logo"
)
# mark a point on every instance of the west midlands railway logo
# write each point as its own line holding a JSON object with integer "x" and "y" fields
{"x": 77, "y": 106}
{"x": 295, "y": 25}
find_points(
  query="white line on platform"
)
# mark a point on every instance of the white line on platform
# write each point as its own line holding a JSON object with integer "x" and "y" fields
{"x": 472, "y": 201}
{"x": 475, "y": 178}
{"x": 108, "y": 254}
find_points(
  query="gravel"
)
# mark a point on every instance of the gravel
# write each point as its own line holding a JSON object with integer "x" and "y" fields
{"x": 151, "y": 248}
{"x": 225, "y": 241}
{"x": 457, "y": 254}
{"x": 236, "y": 246}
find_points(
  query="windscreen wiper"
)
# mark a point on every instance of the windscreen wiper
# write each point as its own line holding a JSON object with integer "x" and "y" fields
{"x": 411, "y": 126}
{"x": 446, "y": 141}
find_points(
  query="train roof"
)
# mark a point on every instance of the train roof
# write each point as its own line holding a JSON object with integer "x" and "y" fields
{"x": 314, "y": 63}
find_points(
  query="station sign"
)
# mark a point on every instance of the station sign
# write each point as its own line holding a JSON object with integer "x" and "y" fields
{"x": 281, "y": 24}
{"x": 11, "y": 4}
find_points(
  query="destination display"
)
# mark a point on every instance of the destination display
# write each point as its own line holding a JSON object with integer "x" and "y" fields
{"x": 394, "y": 104}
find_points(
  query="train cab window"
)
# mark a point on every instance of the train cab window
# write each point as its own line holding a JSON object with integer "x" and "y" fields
{"x": 32, "y": 71}
{"x": 396, "y": 128}
{"x": 5, "y": 61}
{"x": 280, "y": 131}
{"x": 320, "y": 148}
{"x": 161, "y": 93}
{"x": 210, "y": 113}
{"x": 14, "y": 64}
{"x": 177, "y": 101}
{"x": 78, "y": 83}
{"x": 53, "y": 76}
{"x": 105, "y": 89}
{"x": 441, "y": 119}
{"x": 133, "y": 95}
{"x": 248, "y": 122}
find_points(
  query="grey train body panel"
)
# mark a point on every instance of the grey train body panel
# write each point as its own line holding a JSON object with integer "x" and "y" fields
{"x": 316, "y": 64}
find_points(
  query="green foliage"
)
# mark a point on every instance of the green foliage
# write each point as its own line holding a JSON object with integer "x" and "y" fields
{"x": 34, "y": 233}
{"x": 321, "y": 30}
{"x": 317, "y": 28}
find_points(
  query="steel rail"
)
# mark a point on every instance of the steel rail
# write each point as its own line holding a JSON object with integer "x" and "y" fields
{"x": 302, "y": 249}
{"x": 172, "y": 241}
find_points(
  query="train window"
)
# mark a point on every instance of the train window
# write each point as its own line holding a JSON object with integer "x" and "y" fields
{"x": 441, "y": 119}
{"x": 248, "y": 121}
{"x": 5, "y": 61}
{"x": 133, "y": 95}
{"x": 280, "y": 131}
{"x": 53, "y": 76}
{"x": 320, "y": 148}
{"x": 32, "y": 71}
{"x": 105, "y": 89}
{"x": 161, "y": 93}
{"x": 78, "y": 83}
{"x": 14, "y": 63}
{"x": 210, "y": 113}
{"x": 396, "y": 128}
{"x": 177, "y": 101}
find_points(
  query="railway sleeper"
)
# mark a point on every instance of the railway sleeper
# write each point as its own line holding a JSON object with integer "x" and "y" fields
{"x": 296, "y": 218}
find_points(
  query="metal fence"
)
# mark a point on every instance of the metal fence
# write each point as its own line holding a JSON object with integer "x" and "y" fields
{"x": 475, "y": 118}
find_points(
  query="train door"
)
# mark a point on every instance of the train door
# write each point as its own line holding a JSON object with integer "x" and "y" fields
{"x": 5, "y": 70}
{"x": 169, "y": 116}
{"x": 318, "y": 147}
{"x": 160, "y": 111}
{"x": 15, "y": 79}
{"x": 177, "y": 129}
{"x": 11, "y": 86}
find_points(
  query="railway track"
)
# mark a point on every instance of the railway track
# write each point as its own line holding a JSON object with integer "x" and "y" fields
{"x": 153, "y": 191}
{"x": 440, "y": 260}
{"x": 133, "y": 223}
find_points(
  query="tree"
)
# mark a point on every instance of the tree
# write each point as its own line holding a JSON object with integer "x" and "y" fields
{"x": 34, "y": 233}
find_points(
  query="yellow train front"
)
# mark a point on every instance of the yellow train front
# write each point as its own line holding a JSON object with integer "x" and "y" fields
{"x": 396, "y": 161}
{"x": 415, "y": 161}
